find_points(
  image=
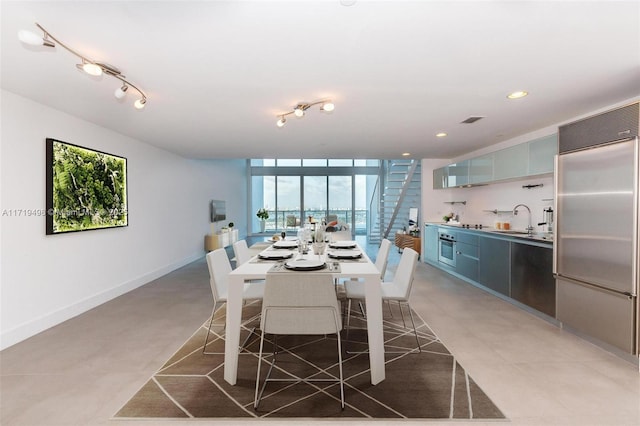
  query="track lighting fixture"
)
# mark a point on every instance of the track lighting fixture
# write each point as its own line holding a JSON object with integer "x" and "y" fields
{"x": 300, "y": 109}
{"x": 90, "y": 67}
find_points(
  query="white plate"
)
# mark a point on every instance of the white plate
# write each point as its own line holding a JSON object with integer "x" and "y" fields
{"x": 285, "y": 244}
{"x": 304, "y": 264}
{"x": 272, "y": 255}
{"x": 343, "y": 244}
{"x": 354, "y": 254}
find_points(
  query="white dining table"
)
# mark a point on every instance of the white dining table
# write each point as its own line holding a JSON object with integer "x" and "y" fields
{"x": 253, "y": 270}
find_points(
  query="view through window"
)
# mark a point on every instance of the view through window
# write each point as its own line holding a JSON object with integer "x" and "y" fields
{"x": 293, "y": 190}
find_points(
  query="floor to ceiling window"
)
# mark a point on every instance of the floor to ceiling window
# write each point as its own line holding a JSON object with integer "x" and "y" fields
{"x": 293, "y": 189}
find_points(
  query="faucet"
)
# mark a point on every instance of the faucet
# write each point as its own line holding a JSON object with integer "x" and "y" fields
{"x": 515, "y": 212}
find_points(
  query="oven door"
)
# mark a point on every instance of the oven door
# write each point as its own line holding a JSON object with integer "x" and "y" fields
{"x": 447, "y": 252}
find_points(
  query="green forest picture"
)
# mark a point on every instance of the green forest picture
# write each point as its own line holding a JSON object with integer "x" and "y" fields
{"x": 86, "y": 189}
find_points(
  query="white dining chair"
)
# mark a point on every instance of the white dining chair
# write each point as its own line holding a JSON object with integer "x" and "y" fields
{"x": 398, "y": 290}
{"x": 382, "y": 259}
{"x": 298, "y": 304}
{"x": 219, "y": 269}
{"x": 241, "y": 252}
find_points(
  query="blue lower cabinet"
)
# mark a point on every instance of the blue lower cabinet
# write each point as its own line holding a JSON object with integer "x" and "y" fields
{"x": 495, "y": 261}
{"x": 467, "y": 260}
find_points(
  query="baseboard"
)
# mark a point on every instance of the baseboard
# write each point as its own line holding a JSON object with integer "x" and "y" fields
{"x": 31, "y": 328}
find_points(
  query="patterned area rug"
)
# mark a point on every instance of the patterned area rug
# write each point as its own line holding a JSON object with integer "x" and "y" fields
{"x": 419, "y": 385}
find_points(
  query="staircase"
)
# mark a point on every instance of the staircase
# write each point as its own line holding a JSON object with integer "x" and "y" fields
{"x": 401, "y": 182}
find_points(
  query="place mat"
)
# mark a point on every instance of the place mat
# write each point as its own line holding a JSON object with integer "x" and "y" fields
{"x": 286, "y": 245}
{"x": 343, "y": 245}
{"x": 275, "y": 255}
{"x": 345, "y": 254}
{"x": 330, "y": 267}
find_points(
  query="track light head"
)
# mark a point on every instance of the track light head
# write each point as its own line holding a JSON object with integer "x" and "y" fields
{"x": 121, "y": 91}
{"x": 139, "y": 104}
{"x": 281, "y": 122}
{"x": 299, "y": 111}
{"x": 33, "y": 39}
{"x": 327, "y": 106}
{"x": 90, "y": 68}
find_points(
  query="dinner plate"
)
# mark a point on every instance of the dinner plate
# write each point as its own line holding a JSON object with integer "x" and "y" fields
{"x": 274, "y": 256}
{"x": 305, "y": 265}
{"x": 356, "y": 254}
{"x": 286, "y": 244}
{"x": 343, "y": 245}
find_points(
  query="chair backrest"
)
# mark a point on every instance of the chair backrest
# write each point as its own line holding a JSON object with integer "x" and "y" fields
{"x": 292, "y": 220}
{"x": 331, "y": 218}
{"x": 241, "y": 251}
{"x": 219, "y": 269}
{"x": 300, "y": 303}
{"x": 382, "y": 257}
{"x": 404, "y": 274}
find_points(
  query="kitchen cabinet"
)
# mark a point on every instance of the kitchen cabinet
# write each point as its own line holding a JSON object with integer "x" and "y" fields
{"x": 511, "y": 162}
{"x": 527, "y": 159}
{"x": 430, "y": 237}
{"x": 481, "y": 169}
{"x": 494, "y": 264}
{"x": 541, "y": 154}
{"x": 440, "y": 178}
{"x": 532, "y": 281}
{"x": 458, "y": 174}
{"x": 467, "y": 255}
{"x": 407, "y": 240}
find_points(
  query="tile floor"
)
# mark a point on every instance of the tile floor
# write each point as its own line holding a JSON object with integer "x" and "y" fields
{"x": 81, "y": 372}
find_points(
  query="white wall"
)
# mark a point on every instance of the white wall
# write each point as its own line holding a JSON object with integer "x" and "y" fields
{"x": 500, "y": 196}
{"x": 45, "y": 280}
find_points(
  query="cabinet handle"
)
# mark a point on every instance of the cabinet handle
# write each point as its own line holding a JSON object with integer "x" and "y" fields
{"x": 458, "y": 252}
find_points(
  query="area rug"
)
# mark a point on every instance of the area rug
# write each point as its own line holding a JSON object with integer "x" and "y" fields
{"x": 418, "y": 385}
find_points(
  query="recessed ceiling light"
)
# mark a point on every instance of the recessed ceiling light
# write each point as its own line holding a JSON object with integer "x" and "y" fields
{"x": 441, "y": 134}
{"x": 406, "y": 154}
{"x": 517, "y": 95}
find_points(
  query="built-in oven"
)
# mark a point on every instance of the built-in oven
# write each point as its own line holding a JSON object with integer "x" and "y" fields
{"x": 447, "y": 248}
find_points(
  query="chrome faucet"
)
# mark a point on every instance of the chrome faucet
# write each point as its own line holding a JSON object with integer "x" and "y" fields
{"x": 515, "y": 212}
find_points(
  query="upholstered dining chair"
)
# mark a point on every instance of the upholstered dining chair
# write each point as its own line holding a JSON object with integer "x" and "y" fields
{"x": 298, "y": 304}
{"x": 292, "y": 221}
{"x": 398, "y": 290}
{"x": 219, "y": 269}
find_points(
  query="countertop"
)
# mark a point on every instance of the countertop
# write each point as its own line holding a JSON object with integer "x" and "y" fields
{"x": 544, "y": 237}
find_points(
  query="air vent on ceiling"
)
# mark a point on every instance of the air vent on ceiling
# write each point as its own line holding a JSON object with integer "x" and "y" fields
{"x": 471, "y": 120}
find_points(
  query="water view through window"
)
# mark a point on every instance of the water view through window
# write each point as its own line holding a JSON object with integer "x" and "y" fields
{"x": 293, "y": 190}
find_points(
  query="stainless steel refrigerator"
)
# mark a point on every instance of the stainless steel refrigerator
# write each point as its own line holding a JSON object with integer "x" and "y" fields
{"x": 596, "y": 241}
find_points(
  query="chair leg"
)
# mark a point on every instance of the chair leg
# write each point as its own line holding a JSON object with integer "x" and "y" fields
{"x": 340, "y": 369}
{"x": 402, "y": 315}
{"x": 255, "y": 399}
{"x": 206, "y": 339}
{"x": 415, "y": 332}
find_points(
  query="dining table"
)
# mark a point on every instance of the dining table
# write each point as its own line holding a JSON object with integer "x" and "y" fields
{"x": 337, "y": 263}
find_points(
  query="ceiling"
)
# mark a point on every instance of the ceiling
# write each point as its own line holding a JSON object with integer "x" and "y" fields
{"x": 217, "y": 73}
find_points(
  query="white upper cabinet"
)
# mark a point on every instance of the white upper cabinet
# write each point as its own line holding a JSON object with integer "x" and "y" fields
{"x": 511, "y": 162}
{"x": 458, "y": 174}
{"x": 481, "y": 169}
{"x": 527, "y": 159}
{"x": 541, "y": 153}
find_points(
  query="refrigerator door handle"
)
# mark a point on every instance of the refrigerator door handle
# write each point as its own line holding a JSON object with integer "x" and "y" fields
{"x": 554, "y": 265}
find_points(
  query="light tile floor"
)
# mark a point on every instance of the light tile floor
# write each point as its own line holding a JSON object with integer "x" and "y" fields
{"x": 82, "y": 371}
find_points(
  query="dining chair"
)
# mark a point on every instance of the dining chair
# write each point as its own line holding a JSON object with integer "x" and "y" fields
{"x": 219, "y": 269}
{"x": 241, "y": 252}
{"x": 292, "y": 221}
{"x": 398, "y": 290}
{"x": 298, "y": 304}
{"x": 382, "y": 259}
